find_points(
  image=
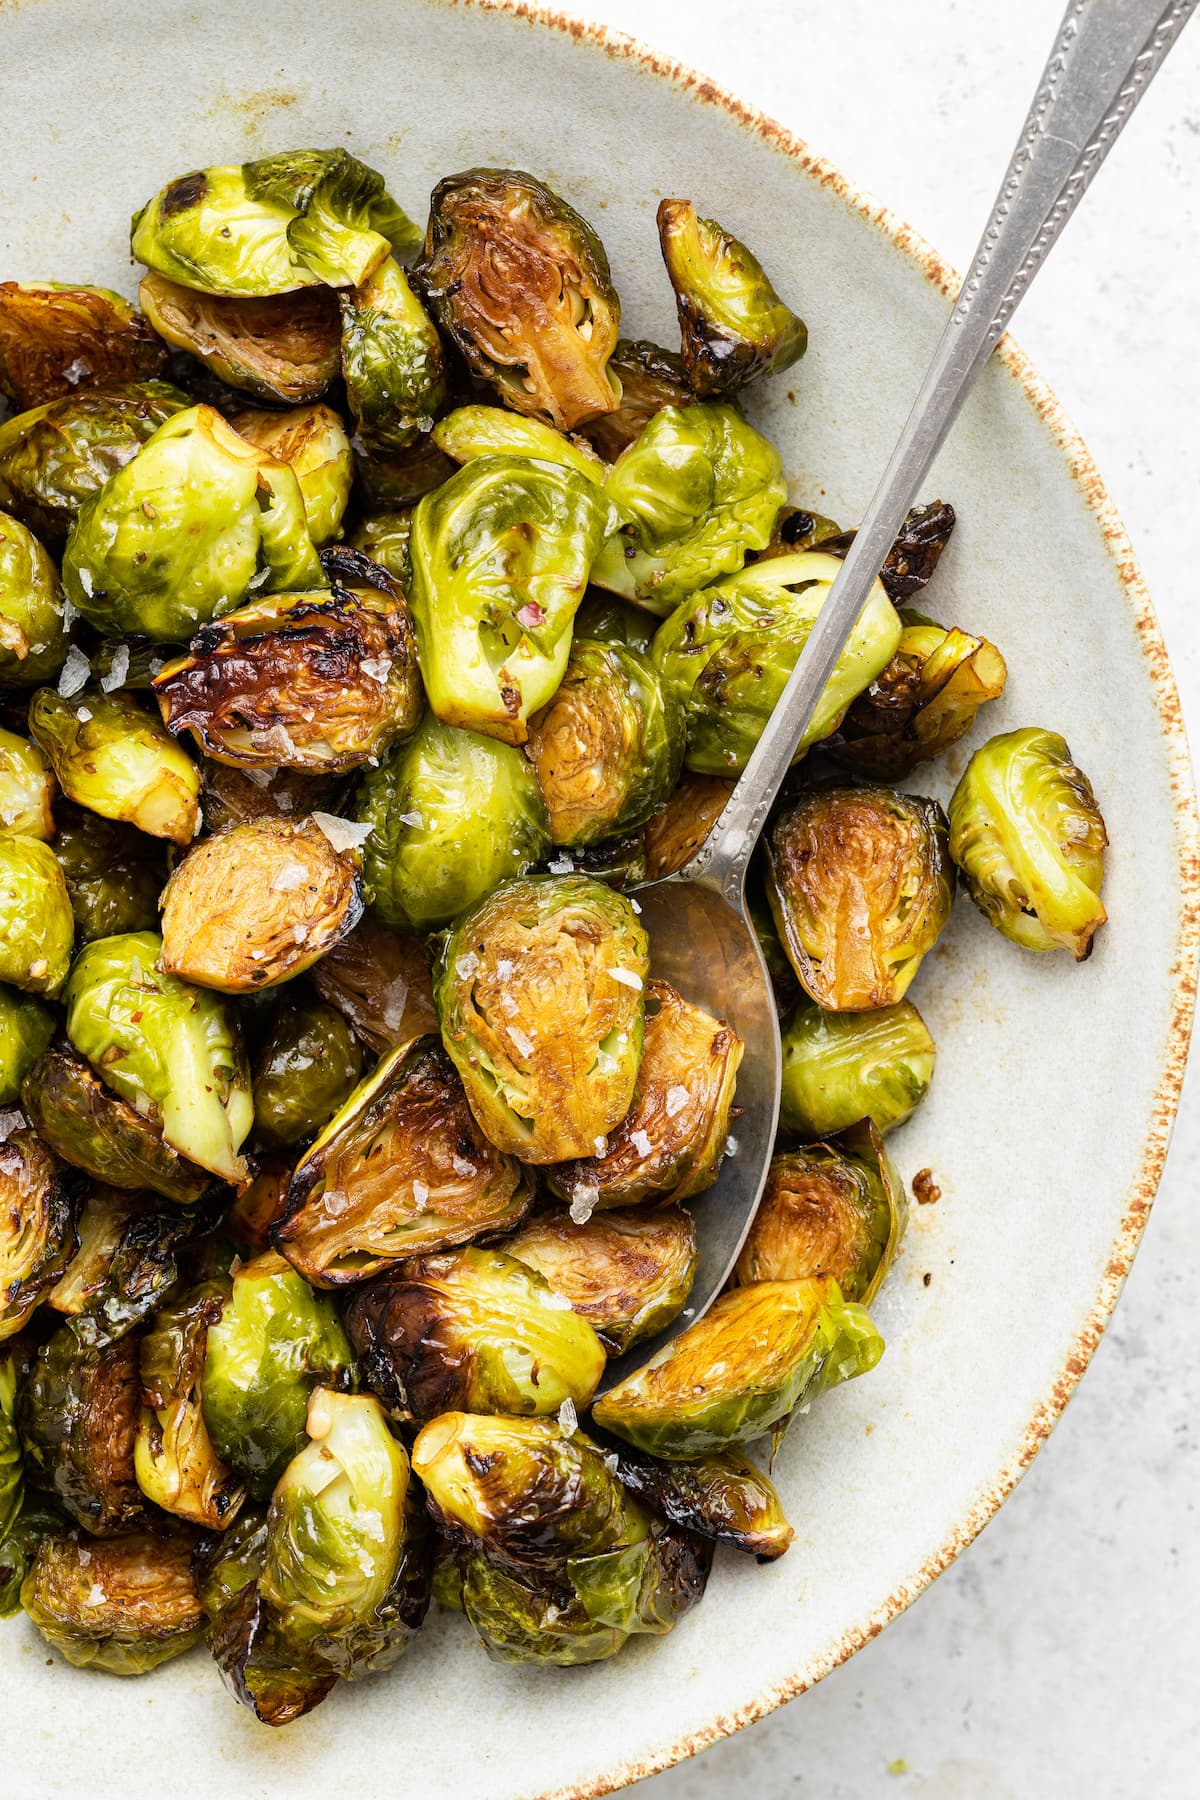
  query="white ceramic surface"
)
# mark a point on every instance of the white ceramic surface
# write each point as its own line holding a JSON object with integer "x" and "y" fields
{"x": 1027, "y": 1257}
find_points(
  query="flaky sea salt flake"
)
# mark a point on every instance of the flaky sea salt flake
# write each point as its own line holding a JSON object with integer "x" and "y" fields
{"x": 343, "y": 834}
{"x": 75, "y": 672}
{"x": 568, "y": 1418}
{"x": 677, "y": 1099}
{"x": 118, "y": 669}
{"x": 627, "y": 977}
{"x": 640, "y": 1142}
{"x": 521, "y": 1039}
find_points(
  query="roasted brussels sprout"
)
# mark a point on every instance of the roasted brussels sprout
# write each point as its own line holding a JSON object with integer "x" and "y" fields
{"x": 305, "y": 1070}
{"x": 383, "y": 536}
{"x": 26, "y": 1027}
{"x": 126, "y": 1265}
{"x": 670, "y": 1143}
{"x": 472, "y": 431}
{"x": 733, "y": 324}
{"x": 33, "y": 642}
{"x": 392, "y": 360}
{"x": 608, "y": 747}
{"x": 627, "y": 1273}
{"x": 38, "y": 1199}
{"x": 55, "y": 339}
{"x": 12, "y": 1474}
{"x": 110, "y": 754}
{"x": 381, "y": 980}
{"x": 741, "y": 1369}
{"x": 1029, "y": 838}
{"x": 472, "y": 1329}
{"x": 721, "y": 1496}
{"x": 276, "y": 349}
{"x": 26, "y": 789}
{"x": 539, "y": 993}
{"x": 114, "y": 873}
{"x": 400, "y": 1170}
{"x": 256, "y": 904}
{"x": 500, "y": 558}
{"x": 650, "y": 378}
{"x": 258, "y": 1663}
{"x": 522, "y": 285}
{"x": 683, "y": 821}
{"x": 727, "y": 653}
{"x": 312, "y": 441}
{"x": 842, "y": 1067}
{"x": 861, "y": 884}
{"x": 648, "y": 1581}
{"x": 77, "y": 1410}
{"x": 182, "y": 533}
{"x": 273, "y": 1343}
{"x": 174, "y": 1459}
{"x": 452, "y": 814}
{"x": 169, "y": 1049}
{"x": 124, "y": 1606}
{"x": 37, "y": 926}
{"x": 697, "y": 492}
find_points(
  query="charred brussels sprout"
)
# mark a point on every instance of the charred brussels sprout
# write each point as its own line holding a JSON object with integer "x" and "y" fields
{"x": 522, "y": 285}
{"x": 182, "y": 533}
{"x": 627, "y": 1273}
{"x": 683, "y": 821}
{"x": 33, "y": 642}
{"x": 381, "y": 980}
{"x": 728, "y": 651}
{"x": 722, "y": 1496}
{"x": 312, "y": 441}
{"x": 78, "y": 1411}
{"x": 500, "y": 558}
{"x": 650, "y": 378}
{"x": 741, "y": 1369}
{"x": 110, "y": 754}
{"x": 114, "y": 873}
{"x": 916, "y": 552}
{"x": 38, "y": 1199}
{"x": 258, "y": 1663}
{"x": 39, "y": 1518}
{"x": 305, "y": 1070}
{"x": 127, "y": 1263}
{"x": 1029, "y": 838}
{"x": 861, "y": 885}
{"x": 733, "y": 323}
{"x": 392, "y": 360}
{"x": 174, "y": 1459}
{"x": 452, "y": 814}
{"x": 842, "y": 1067}
{"x": 473, "y": 431}
{"x": 670, "y": 1143}
{"x": 169, "y": 1049}
{"x": 37, "y": 926}
{"x": 539, "y": 992}
{"x": 276, "y": 349}
{"x": 401, "y": 1169}
{"x": 26, "y": 1027}
{"x": 124, "y": 1606}
{"x": 473, "y": 1329}
{"x": 256, "y": 904}
{"x": 55, "y": 339}
{"x": 26, "y": 789}
{"x": 697, "y": 492}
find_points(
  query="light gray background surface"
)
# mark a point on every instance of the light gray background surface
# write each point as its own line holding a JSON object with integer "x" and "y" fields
{"x": 1058, "y": 1656}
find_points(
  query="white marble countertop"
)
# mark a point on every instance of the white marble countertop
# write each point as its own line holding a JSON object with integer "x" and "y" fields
{"x": 1057, "y": 1657}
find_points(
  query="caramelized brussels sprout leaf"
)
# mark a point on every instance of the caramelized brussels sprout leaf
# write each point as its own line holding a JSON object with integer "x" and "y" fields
{"x": 174, "y": 1459}
{"x": 312, "y": 441}
{"x": 276, "y": 348}
{"x": 37, "y": 926}
{"x": 627, "y": 1273}
{"x": 125, "y": 1605}
{"x": 26, "y": 789}
{"x": 77, "y": 1411}
{"x": 381, "y": 980}
{"x": 33, "y": 640}
{"x": 733, "y": 324}
{"x": 38, "y": 1202}
{"x": 306, "y": 1068}
{"x": 722, "y": 1495}
{"x": 392, "y": 360}
{"x": 56, "y": 339}
{"x": 842, "y": 1067}
{"x": 111, "y": 754}
{"x": 916, "y": 552}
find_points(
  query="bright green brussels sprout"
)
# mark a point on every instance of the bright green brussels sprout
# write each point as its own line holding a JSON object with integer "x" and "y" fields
{"x": 1029, "y": 838}
{"x": 186, "y": 530}
{"x": 741, "y": 1369}
{"x": 733, "y": 324}
{"x": 697, "y": 491}
{"x": 452, "y": 814}
{"x": 312, "y": 441}
{"x": 286, "y": 221}
{"x": 124, "y": 1606}
{"x": 392, "y": 360}
{"x": 278, "y": 348}
{"x": 33, "y": 643}
{"x": 111, "y": 754}
{"x": 306, "y": 1068}
{"x": 55, "y": 339}
{"x": 539, "y": 993}
{"x": 38, "y": 1201}
{"x": 77, "y": 1410}
{"x": 26, "y": 1027}
{"x": 383, "y": 536}
{"x": 627, "y": 1273}
{"x": 650, "y": 378}
{"x": 522, "y": 285}
{"x": 37, "y": 926}
{"x": 614, "y": 621}
{"x": 727, "y": 652}
{"x": 12, "y": 1474}
{"x": 400, "y": 1170}
{"x": 683, "y": 822}
{"x": 842, "y": 1067}
{"x": 608, "y": 747}
{"x": 722, "y": 1496}
{"x": 274, "y": 1342}
{"x": 174, "y": 1459}
{"x": 861, "y": 885}
{"x": 114, "y": 873}
{"x": 127, "y": 1262}
{"x": 473, "y": 431}
{"x": 381, "y": 980}
{"x": 500, "y": 559}
{"x": 26, "y": 789}
{"x": 472, "y": 1329}
{"x": 169, "y": 1049}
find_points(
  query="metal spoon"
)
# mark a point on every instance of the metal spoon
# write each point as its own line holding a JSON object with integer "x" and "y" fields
{"x": 1105, "y": 54}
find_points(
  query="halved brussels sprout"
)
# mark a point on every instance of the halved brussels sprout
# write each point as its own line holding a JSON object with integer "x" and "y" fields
{"x": 733, "y": 323}
{"x": 174, "y": 1459}
{"x": 256, "y": 904}
{"x": 77, "y": 1410}
{"x": 267, "y": 227}
{"x": 234, "y": 796}
{"x": 26, "y": 1027}
{"x": 305, "y": 1070}
{"x": 472, "y": 1329}
{"x": 741, "y": 1369}
{"x": 381, "y": 980}
{"x": 473, "y": 431}
{"x": 627, "y": 1273}
{"x": 614, "y": 621}
{"x": 114, "y": 873}
{"x": 842, "y": 1067}
{"x": 1029, "y": 838}
{"x": 311, "y": 440}
{"x": 26, "y": 789}
{"x": 522, "y": 285}
{"x": 392, "y": 360}
{"x": 33, "y": 641}
{"x": 670, "y": 1143}
{"x": 55, "y": 339}
{"x": 274, "y": 1342}
{"x": 12, "y": 1474}
{"x": 171, "y": 1050}
{"x": 110, "y": 754}
{"x": 722, "y": 1496}
{"x": 38, "y": 1199}
{"x": 185, "y": 531}
{"x": 539, "y": 993}
{"x": 124, "y": 1606}
{"x": 383, "y": 536}
{"x": 402, "y": 1169}
{"x": 452, "y": 814}
{"x": 500, "y": 558}
{"x": 532, "y": 1615}
{"x": 697, "y": 492}
{"x": 861, "y": 885}
{"x": 608, "y": 747}
{"x": 126, "y": 1265}
{"x": 276, "y": 348}
{"x": 650, "y": 378}
{"x": 728, "y": 651}
{"x": 37, "y": 926}
{"x": 683, "y": 822}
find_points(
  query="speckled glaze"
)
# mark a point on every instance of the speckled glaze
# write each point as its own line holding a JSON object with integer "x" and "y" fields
{"x": 1056, "y": 1087}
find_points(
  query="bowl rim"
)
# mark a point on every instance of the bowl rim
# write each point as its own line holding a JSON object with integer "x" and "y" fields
{"x": 618, "y": 46}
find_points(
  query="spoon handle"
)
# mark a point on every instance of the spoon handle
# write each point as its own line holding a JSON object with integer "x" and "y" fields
{"x": 1105, "y": 55}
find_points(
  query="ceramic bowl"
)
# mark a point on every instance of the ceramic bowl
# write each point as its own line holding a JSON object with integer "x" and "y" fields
{"x": 1049, "y": 1115}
